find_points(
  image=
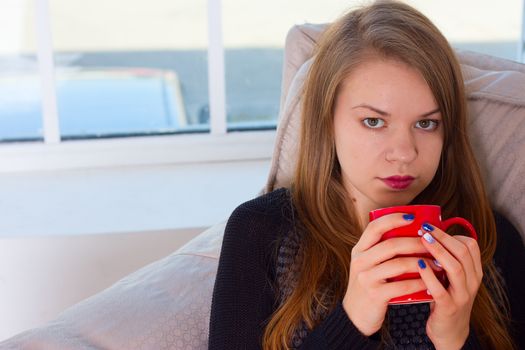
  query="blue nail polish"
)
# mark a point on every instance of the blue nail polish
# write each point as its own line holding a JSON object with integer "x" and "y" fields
{"x": 427, "y": 227}
{"x": 428, "y": 237}
{"x": 408, "y": 217}
{"x": 437, "y": 263}
{"x": 421, "y": 263}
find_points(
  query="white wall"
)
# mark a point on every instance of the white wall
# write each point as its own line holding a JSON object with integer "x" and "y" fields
{"x": 65, "y": 235}
{"x": 125, "y": 199}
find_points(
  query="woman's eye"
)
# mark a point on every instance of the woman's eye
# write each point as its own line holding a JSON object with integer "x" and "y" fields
{"x": 428, "y": 124}
{"x": 373, "y": 123}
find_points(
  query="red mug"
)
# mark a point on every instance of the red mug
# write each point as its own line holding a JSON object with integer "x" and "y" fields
{"x": 422, "y": 213}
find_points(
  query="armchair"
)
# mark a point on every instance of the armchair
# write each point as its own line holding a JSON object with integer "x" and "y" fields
{"x": 166, "y": 305}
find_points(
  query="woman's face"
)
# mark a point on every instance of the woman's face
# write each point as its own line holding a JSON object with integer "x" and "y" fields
{"x": 388, "y": 134}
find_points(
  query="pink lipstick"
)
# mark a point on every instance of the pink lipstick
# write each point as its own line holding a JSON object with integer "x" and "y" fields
{"x": 398, "y": 182}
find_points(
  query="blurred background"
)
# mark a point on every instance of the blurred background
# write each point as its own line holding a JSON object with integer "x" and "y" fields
{"x": 128, "y": 127}
{"x": 141, "y": 67}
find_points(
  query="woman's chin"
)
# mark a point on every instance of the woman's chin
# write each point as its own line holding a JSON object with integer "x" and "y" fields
{"x": 393, "y": 201}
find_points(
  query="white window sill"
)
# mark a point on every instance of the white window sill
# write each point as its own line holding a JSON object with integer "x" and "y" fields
{"x": 137, "y": 151}
{"x": 129, "y": 185}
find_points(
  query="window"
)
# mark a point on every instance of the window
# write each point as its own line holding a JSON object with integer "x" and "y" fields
{"x": 130, "y": 68}
{"x": 253, "y": 45}
{"x": 125, "y": 68}
{"x": 20, "y": 99}
{"x": 488, "y": 27}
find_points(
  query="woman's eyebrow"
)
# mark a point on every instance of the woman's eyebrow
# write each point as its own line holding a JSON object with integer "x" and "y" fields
{"x": 386, "y": 114}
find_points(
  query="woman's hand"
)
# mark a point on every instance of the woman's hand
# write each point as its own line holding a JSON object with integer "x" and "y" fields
{"x": 449, "y": 320}
{"x": 368, "y": 292}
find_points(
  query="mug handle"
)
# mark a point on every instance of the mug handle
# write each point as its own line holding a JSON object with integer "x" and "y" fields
{"x": 463, "y": 222}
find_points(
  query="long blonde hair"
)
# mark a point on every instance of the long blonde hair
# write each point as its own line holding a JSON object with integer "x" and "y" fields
{"x": 397, "y": 31}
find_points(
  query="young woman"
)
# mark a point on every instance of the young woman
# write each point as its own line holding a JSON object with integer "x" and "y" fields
{"x": 383, "y": 124}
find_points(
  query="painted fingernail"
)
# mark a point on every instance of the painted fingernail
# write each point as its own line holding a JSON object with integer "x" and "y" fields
{"x": 419, "y": 233}
{"x": 428, "y": 237}
{"x": 421, "y": 263}
{"x": 437, "y": 263}
{"x": 408, "y": 217}
{"x": 427, "y": 227}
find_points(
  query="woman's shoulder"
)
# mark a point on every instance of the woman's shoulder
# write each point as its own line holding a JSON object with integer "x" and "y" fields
{"x": 507, "y": 232}
{"x": 262, "y": 216}
{"x": 509, "y": 241}
{"x": 266, "y": 205}
{"x": 509, "y": 259}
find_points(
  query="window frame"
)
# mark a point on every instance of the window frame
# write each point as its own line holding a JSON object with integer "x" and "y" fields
{"x": 55, "y": 153}
{"x": 216, "y": 73}
{"x": 218, "y": 144}
{"x": 137, "y": 151}
{"x": 521, "y": 48}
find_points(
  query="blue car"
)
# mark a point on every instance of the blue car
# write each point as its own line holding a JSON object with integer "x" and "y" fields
{"x": 96, "y": 102}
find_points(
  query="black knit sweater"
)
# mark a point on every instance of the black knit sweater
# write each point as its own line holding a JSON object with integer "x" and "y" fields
{"x": 245, "y": 294}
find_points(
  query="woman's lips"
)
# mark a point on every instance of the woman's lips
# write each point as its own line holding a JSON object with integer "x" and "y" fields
{"x": 398, "y": 182}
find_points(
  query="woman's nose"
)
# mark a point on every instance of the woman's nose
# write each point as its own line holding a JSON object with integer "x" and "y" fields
{"x": 402, "y": 148}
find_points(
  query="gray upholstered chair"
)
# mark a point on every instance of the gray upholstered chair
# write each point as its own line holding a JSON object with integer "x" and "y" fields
{"x": 166, "y": 305}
